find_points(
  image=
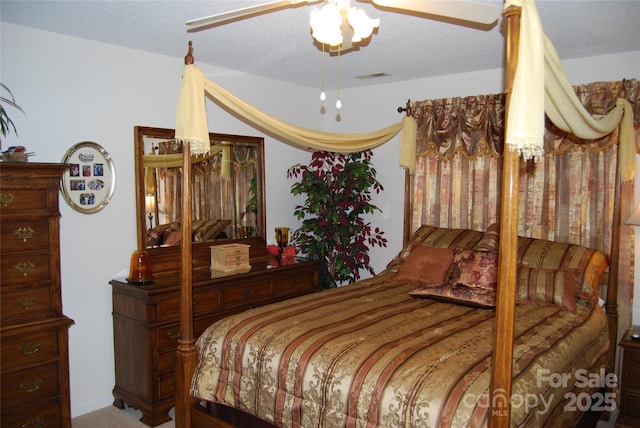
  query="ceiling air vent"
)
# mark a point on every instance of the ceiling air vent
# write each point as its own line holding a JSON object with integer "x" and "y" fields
{"x": 372, "y": 75}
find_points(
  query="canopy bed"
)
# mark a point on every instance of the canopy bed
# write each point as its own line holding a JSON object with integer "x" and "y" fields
{"x": 327, "y": 339}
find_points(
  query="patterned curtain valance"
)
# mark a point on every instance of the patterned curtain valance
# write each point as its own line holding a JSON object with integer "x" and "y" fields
{"x": 474, "y": 126}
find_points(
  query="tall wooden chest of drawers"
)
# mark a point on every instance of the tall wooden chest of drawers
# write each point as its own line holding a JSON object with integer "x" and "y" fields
{"x": 34, "y": 362}
{"x": 146, "y": 325}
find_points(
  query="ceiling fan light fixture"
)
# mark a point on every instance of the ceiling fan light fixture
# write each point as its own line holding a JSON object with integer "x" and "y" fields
{"x": 362, "y": 25}
{"x": 325, "y": 24}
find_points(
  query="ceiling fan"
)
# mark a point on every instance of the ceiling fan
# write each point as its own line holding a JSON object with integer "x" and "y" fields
{"x": 464, "y": 10}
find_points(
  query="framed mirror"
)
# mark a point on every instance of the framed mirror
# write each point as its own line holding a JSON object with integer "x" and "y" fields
{"x": 227, "y": 185}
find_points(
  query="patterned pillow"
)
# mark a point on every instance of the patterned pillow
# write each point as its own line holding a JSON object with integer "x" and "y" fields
{"x": 473, "y": 280}
{"x": 548, "y": 287}
{"x": 427, "y": 266}
{"x": 475, "y": 269}
{"x": 459, "y": 294}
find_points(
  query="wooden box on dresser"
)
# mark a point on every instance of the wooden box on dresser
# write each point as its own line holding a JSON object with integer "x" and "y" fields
{"x": 146, "y": 324}
{"x": 34, "y": 360}
{"x": 630, "y": 383}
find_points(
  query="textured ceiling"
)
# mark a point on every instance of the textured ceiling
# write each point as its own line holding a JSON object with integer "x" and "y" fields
{"x": 278, "y": 45}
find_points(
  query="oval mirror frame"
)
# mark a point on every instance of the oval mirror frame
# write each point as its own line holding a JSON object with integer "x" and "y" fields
{"x": 235, "y": 229}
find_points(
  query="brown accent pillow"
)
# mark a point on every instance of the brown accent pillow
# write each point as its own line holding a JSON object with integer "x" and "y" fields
{"x": 427, "y": 266}
{"x": 548, "y": 286}
{"x": 157, "y": 235}
{"x": 172, "y": 237}
{"x": 475, "y": 269}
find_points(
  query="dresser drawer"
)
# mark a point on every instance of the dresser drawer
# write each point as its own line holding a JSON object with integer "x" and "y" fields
{"x": 238, "y": 293}
{"x": 24, "y": 235}
{"x": 630, "y": 405}
{"x": 167, "y": 361}
{"x": 20, "y": 200}
{"x": 30, "y": 385}
{"x": 168, "y": 335}
{"x": 166, "y": 385}
{"x": 632, "y": 377}
{"x": 25, "y": 268}
{"x": 202, "y": 304}
{"x": 43, "y": 416}
{"x": 25, "y": 303}
{"x": 28, "y": 349}
{"x": 294, "y": 284}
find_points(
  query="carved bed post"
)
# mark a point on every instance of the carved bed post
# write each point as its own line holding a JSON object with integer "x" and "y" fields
{"x": 505, "y": 300}
{"x": 186, "y": 357}
{"x": 611, "y": 303}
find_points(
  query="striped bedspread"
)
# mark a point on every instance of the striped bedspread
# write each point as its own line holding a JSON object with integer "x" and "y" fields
{"x": 371, "y": 355}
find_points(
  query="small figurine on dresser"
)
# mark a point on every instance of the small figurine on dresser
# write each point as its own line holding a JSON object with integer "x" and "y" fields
{"x": 16, "y": 154}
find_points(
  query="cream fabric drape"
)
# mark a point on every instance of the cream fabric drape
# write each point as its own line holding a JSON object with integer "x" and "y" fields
{"x": 192, "y": 123}
{"x": 191, "y": 118}
{"x": 533, "y": 95}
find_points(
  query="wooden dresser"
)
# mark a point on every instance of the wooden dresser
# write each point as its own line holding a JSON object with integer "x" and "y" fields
{"x": 630, "y": 383}
{"x": 33, "y": 332}
{"x": 146, "y": 325}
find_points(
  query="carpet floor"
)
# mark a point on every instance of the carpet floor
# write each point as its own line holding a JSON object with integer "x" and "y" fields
{"x": 112, "y": 417}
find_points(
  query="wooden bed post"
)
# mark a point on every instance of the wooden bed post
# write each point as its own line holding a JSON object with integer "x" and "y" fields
{"x": 502, "y": 363}
{"x": 611, "y": 303}
{"x": 186, "y": 357}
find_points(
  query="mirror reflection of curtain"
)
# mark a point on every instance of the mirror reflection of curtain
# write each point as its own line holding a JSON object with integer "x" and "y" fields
{"x": 226, "y": 175}
{"x": 567, "y": 196}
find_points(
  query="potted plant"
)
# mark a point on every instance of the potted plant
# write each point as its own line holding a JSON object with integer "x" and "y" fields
{"x": 6, "y": 124}
{"x": 338, "y": 189}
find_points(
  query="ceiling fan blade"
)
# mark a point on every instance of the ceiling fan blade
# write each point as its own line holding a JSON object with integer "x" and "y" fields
{"x": 244, "y": 12}
{"x": 482, "y": 13}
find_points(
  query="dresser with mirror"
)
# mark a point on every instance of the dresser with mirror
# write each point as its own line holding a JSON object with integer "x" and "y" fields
{"x": 228, "y": 208}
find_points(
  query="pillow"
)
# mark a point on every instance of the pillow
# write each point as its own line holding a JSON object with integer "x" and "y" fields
{"x": 548, "y": 287}
{"x": 543, "y": 254}
{"x": 459, "y": 294}
{"x": 490, "y": 240}
{"x": 475, "y": 269}
{"x": 439, "y": 237}
{"x": 206, "y": 230}
{"x": 156, "y": 235}
{"x": 172, "y": 237}
{"x": 426, "y": 266}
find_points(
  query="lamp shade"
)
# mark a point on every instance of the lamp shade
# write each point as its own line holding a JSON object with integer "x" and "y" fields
{"x": 635, "y": 217}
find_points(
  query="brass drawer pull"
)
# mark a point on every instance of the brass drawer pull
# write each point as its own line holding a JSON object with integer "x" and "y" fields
{"x": 174, "y": 333}
{"x": 26, "y": 301}
{"x": 25, "y": 268}
{"x": 31, "y": 385}
{"x": 30, "y": 347}
{"x": 24, "y": 233}
{"x": 36, "y": 423}
{"x": 6, "y": 198}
